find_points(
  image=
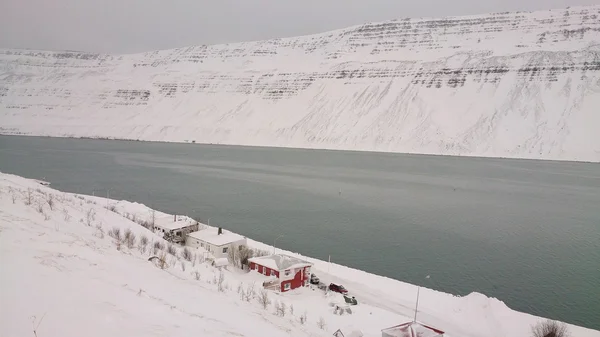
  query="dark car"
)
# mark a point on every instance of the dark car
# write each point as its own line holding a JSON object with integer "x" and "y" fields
{"x": 314, "y": 279}
{"x": 338, "y": 288}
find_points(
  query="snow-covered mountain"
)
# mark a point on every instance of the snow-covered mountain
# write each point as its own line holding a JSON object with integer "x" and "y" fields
{"x": 505, "y": 84}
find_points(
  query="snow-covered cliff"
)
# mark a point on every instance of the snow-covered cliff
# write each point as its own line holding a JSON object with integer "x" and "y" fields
{"x": 506, "y": 84}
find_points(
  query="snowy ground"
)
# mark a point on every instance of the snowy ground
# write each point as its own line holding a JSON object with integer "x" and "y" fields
{"x": 63, "y": 275}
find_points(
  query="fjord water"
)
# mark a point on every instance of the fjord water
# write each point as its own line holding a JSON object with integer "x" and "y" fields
{"x": 524, "y": 231}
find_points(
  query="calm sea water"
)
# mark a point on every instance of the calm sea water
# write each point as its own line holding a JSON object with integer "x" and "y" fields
{"x": 526, "y": 232}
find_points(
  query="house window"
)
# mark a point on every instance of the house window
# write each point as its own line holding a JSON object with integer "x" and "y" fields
{"x": 272, "y": 273}
{"x": 264, "y": 271}
{"x": 287, "y": 272}
{"x": 256, "y": 267}
{"x": 178, "y": 233}
{"x": 287, "y": 286}
{"x": 224, "y": 250}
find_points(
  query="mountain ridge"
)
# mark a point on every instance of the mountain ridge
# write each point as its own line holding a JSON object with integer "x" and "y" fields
{"x": 518, "y": 85}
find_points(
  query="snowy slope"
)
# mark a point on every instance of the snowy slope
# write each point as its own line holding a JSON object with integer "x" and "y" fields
{"x": 504, "y": 84}
{"x": 57, "y": 267}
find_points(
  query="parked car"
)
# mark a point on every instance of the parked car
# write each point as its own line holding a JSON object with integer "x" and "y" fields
{"x": 338, "y": 288}
{"x": 314, "y": 279}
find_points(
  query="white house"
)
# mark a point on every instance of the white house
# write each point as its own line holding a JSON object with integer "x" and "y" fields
{"x": 177, "y": 227}
{"x": 215, "y": 241}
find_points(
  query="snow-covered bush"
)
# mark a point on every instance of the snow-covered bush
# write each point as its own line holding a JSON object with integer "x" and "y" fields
{"x": 172, "y": 250}
{"x": 220, "y": 286}
{"x": 187, "y": 254}
{"x": 50, "y": 201}
{"x": 303, "y": 318}
{"x": 129, "y": 238}
{"x": 115, "y": 233}
{"x": 143, "y": 244}
{"x": 158, "y": 246}
{"x": 263, "y": 298}
{"x": 321, "y": 323}
{"x": 550, "y": 328}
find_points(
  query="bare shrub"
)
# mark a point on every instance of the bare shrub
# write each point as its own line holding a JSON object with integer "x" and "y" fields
{"x": 163, "y": 260}
{"x": 28, "y": 197}
{"x": 250, "y": 292}
{"x": 129, "y": 238}
{"x": 40, "y": 206}
{"x": 13, "y": 196}
{"x": 172, "y": 250}
{"x": 193, "y": 260}
{"x": 90, "y": 216}
{"x": 187, "y": 254}
{"x": 115, "y": 233}
{"x": 292, "y": 309}
{"x": 66, "y": 215}
{"x": 100, "y": 231}
{"x": 112, "y": 208}
{"x": 280, "y": 308}
{"x": 133, "y": 217}
{"x": 263, "y": 298}
{"x": 143, "y": 244}
{"x": 244, "y": 254}
{"x": 197, "y": 275}
{"x": 46, "y": 216}
{"x": 321, "y": 323}
{"x": 50, "y": 201}
{"x": 242, "y": 294}
{"x": 240, "y": 288}
{"x": 158, "y": 246}
{"x": 220, "y": 281}
{"x": 303, "y": 318}
{"x": 550, "y": 328}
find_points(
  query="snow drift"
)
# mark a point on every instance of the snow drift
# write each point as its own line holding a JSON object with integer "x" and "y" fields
{"x": 501, "y": 85}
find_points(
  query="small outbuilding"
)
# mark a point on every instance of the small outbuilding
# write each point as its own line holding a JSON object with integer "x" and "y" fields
{"x": 216, "y": 241}
{"x": 291, "y": 272}
{"x": 175, "y": 228}
{"x": 411, "y": 329}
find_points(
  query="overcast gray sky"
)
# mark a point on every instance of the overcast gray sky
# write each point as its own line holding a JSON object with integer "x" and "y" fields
{"x": 124, "y": 26}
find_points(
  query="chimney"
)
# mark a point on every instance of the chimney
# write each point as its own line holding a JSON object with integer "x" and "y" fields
{"x": 220, "y": 231}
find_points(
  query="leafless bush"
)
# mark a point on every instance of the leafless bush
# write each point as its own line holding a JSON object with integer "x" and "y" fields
{"x": 250, "y": 292}
{"x": 115, "y": 233}
{"x": 133, "y": 217}
{"x": 550, "y": 328}
{"x": 112, "y": 208}
{"x": 163, "y": 260}
{"x": 100, "y": 231}
{"x": 197, "y": 275}
{"x": 40, "y": 206}
{"x": 172, "y": 250}
{"x": 291, "y": 309}
{"x": 182, "y": 265}
{"x": 303, "y": 318}
{"x": 50, "y": 201}
{"x": 28, "y": 197}
{"x": 263, "y": 298}
{"x": 46, "y": 216}
{"x": 129, "y": 238}
{"x": 242, "y": 294}
{"x": 240, "y": 287}
{"x": 158, "y": 246}
{"x": 66, "y": 214}
{"x": 187, "y": 254}
{"x": 280, "y": 309}
{"x": 90, "y": 216}
{"x": 220, "y": 281}
{"x": 193, "y": 260}
{"x": 143, "y": 244}
{"x": 13, "y": 196}
{"x": 321, "y": 323}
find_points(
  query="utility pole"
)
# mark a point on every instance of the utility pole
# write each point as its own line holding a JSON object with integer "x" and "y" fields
{"x": 417, "y": 305}
{"x": 275, "y": 241}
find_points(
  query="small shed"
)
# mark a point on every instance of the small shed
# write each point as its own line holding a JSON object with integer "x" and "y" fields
{"x": 411, "y": 329}
{"x": 220, "y": 262}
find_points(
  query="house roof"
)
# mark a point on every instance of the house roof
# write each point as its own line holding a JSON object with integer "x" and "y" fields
{"x": 167, "y": 222}
{"x": 412, "y": 329}
{"x": 280, "y": 262}
{"x": 211, "y": 236}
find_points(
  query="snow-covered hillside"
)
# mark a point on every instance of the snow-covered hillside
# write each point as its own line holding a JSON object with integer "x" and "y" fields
{"x": 64, "y": 275}
{"x": 504, "y": 84}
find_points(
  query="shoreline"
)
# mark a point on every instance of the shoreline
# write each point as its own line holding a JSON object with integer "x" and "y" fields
{"x": 308, "y": 148}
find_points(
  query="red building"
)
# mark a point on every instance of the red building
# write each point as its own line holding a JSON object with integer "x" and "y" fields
{"x": 290, "y": 272}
